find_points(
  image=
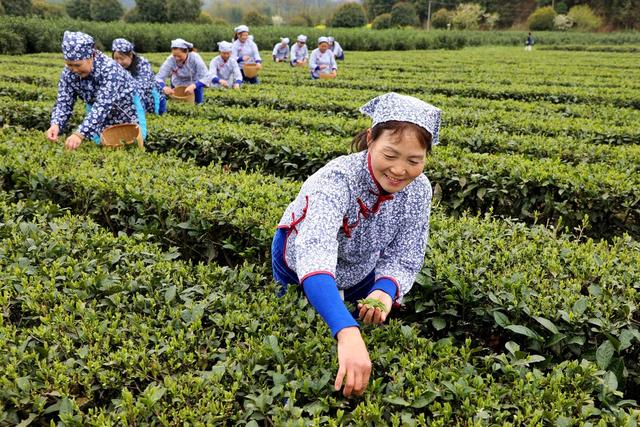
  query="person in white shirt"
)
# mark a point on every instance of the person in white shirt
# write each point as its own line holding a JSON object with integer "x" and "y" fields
{"x": 281, "y": 50}
{"x": 300, "y": 52}
{"x": 322, "y": 60}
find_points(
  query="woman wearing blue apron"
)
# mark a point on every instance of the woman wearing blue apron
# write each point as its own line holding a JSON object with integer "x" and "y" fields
{"x": 140, "y": 70}
{"x": 106, "y": 88}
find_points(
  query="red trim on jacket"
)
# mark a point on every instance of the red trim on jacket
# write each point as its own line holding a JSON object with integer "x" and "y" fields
{"x": 382, "y": 196}
{"x": 314, "y": 273}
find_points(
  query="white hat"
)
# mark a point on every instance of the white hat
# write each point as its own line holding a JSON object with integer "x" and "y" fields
{"x": 224, "y": 46}
{"x": 241, "y": 29}
{"x": 403, "y": 108}
{"x": 284, "y": 40}
{"x": 181, "y": 44}
{"x": 331, "y": 39}
{"x": 323, "y": 39}
{"x": 302, "y": 38}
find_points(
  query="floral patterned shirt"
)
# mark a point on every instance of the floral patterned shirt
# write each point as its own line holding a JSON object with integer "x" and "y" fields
{"x": 342, "y": 223}
{"x": 109, "y": 89}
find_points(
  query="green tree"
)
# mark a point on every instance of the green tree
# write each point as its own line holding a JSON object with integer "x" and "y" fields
{"x": 441, "y": 18}
{"x": 255, "y": 18}
{"x": 542, "y": 19}
{"x": 106, "y": 10}
{"x": 467, "y": 16}
{"x": 79, "y": 9}
{"x": 382, "y": 22}
{"x": 302, "y": 20}
{"x": 377, "y": 7}
{"x": 349, "y": 15}
{"x": 584, "y": 19}
{"x": 48, "y": 10}
{"x": 152, "y": 10}
{"x": 619, "y": 13}
{"x": 17, "y": 7}
{"x": 183, "y": 10}
{"x": 404, "y": 14}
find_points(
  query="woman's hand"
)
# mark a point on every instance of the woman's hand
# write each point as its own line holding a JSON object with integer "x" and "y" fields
{"x": 376, "y": 316}
{"x": 354, "y": 365}
{"x": 323, "y": 66}
{"x": 246, "y": 58}
{"x": 223, "y": 83}
{"x": 236, "y": 86}
{"x": 189, "y": 90}
{"x": 73, "y": 142}
{"x": 53, "y": 132}
{"x": 168, "y": 90}
{"x": 259, "y": 65}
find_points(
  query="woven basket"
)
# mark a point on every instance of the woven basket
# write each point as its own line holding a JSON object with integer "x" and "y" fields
{"x": 250, "y": 70}
{"x": 328, "y": 76}
{"x": 180, "y": 95}
{"x": 117, "y": 136}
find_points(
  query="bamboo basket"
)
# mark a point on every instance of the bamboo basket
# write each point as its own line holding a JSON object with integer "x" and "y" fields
{"x": 328, "y": 76}
{"x": 250, "y": 70}
{"x": 117, "y": 136}
{"x": 180, "y": 95}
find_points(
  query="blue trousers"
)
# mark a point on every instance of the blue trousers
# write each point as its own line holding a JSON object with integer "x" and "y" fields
{"x": 285, "y": 276}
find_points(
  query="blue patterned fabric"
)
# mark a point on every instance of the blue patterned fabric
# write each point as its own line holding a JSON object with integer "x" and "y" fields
{"x": 121, "y": 45}
{"x": 343, "y": 225}
{"x": 146, "y": 84}
{"x": 108, "y": 88}
{"x": 392, "y": 106}
{"x": 77, "y": 46}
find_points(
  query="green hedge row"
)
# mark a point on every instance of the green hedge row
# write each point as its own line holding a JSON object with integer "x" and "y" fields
{"x": 544, "y": 190}
{"x": 557, "y": 296}
{"x": 44, "y": 35}
{"x": 110, "y": 330}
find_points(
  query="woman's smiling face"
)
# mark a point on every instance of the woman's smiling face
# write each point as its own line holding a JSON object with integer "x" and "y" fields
{"x": 396, "y": 159}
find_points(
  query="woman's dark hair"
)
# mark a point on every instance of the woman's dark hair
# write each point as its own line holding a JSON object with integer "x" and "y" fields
{"x": 133, "y": 66}
{"x": 359, "y": 142}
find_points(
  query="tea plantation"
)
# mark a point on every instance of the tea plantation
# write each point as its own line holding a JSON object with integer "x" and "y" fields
{"x": 135, "y": 286}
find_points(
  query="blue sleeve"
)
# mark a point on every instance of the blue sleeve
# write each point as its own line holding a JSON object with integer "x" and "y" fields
{"x": 200, "y": 85}
{"x": 322, "y": 293}
{"x": 387, "y": 286}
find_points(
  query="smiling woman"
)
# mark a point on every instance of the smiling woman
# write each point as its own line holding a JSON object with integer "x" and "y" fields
{"x": 106, "y": 88}
{"x": 360, "y": 225}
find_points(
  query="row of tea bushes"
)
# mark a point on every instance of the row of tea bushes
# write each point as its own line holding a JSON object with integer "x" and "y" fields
{"x": 212, "y": 214}
{"x": 111, "y": 330}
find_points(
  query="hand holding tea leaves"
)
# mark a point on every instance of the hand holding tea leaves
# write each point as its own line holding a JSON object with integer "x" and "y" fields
{"x": 375, "y": 308}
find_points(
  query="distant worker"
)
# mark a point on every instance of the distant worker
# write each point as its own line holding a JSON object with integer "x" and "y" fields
{"x": 335, "y": 47}
{"x": 184, "y": 67}
{"x": 528, "y": 44}
{"x": 281, "y": 50}
{"x": 107, "y": 90}
{"x": 140, "y": 69}
{"x": 322, "y": 61}
{"x": 224, "y": 71}
{"x": 245, "y": 51}
{"x": 300, "y": 52}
